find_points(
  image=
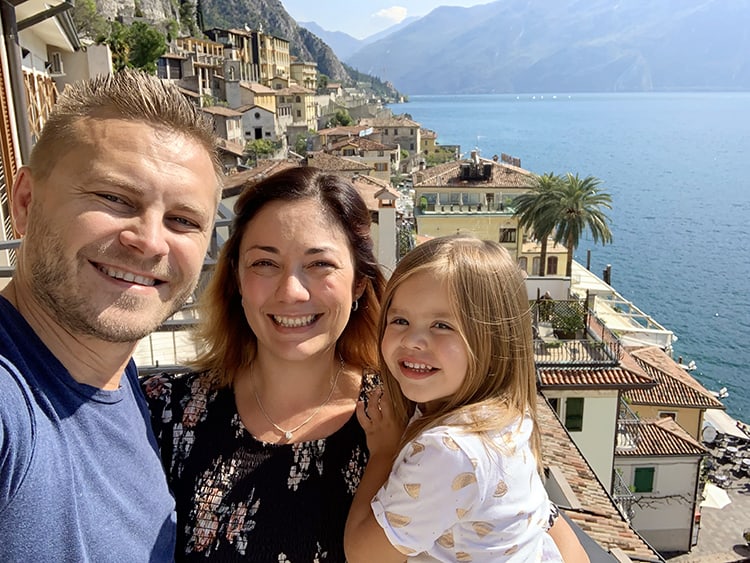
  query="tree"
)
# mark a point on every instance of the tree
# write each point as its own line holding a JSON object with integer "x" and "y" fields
{"x": 581, "y": 206}
{"x": 136, "y": 46}
{"x": 89, "y": 23}
{"x": 300, "y": 145}
{"x": 537, "y": 210}
{"x": 341, "y": 117}
{"x": 260, "y": 147}
{"x": 146, "y": 46}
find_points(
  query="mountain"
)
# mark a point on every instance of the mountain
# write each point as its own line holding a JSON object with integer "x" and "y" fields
{"x": 343, "y": 44}
{"x": 568, "y": 46}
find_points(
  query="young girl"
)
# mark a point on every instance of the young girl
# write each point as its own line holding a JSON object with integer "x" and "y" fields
{"x": 456, "y": 357}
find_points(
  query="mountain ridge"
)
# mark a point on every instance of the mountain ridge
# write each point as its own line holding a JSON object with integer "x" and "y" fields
{"x": 514, "y": 46}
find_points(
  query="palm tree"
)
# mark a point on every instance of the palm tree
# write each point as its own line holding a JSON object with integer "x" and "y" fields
{"x": 537, "y": 210}
{"x": 580, "y": 207}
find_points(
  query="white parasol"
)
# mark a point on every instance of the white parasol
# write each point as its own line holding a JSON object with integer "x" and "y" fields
{"x": 714, "y": 497}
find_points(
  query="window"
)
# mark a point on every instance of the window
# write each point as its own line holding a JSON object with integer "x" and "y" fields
{"x": 668, "y": 414}
{"x": 507, "y": 235}
{"x": 523, "y": 264}
{"x": 551, "y": 265}
{"x": 643, "y": 479}
{"x": 348, "y": 152}
{"x": 297, "y": 99}
{"x": 554, "y": 402}
{"x": 411, "y": 146}
{"x": 257, "y": 115}
{"x": 381, "y": 166}
{"x": 299, "y": 113}
{"x": 535, "y": 265}
{"x": 574, "y": 414}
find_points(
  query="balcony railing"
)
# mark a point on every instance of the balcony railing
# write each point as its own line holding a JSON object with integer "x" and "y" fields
{"x": 628, "y": 429}
{"x": 624, "y": 499}
{"x": 566, "y": 333}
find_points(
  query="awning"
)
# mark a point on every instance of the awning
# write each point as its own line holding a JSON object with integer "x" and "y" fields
{"x": 714, "y": 497}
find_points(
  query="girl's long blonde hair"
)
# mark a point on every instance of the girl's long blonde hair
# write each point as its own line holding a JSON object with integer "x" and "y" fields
{"x": 489, "y": 300}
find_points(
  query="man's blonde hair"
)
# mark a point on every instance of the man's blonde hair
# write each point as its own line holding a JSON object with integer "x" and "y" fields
{"x": 130, "y": 95}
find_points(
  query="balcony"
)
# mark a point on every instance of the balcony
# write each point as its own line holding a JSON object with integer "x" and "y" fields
{"x": 568, "y": 334}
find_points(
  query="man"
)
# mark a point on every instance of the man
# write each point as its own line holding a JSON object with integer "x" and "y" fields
{"x": 116, "y": 209}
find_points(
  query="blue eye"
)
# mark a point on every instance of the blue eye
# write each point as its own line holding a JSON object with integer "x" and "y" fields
{"x": 443, "y": 326}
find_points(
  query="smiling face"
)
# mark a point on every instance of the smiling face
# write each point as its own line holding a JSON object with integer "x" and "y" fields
{"x": 296, "y": 277}
{"x": 115, "y": 235}
{"x": 421, "y": 344}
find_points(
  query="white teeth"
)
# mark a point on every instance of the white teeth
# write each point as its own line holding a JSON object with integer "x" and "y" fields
{"x": 293, "y": 322}
{"x": 421, "y": 367}
{"x": 128, "y": 277}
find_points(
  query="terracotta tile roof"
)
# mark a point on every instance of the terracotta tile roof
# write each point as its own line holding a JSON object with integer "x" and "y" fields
{"x": 235, "y": 183}
{"x": 428, "y": 134}
{"x": 257, "y": 88}
{"x": 293, "y": 89}
{"x": 369, "y": 187}
{"x": 362, "y": 143}
{"x": 231, "y": 147}
{"x": 248, "y": 107}
{"x": 659, "y": 437}
{"x": 582, "y": 377}
{"x": 332, "y": 163}
{"x": 676, "y": 388}
{"x": 449, "y": 174}
{"x": 394, "y": 121}
{"x": 221, "y": 110}
{"x": 598, "y": 515}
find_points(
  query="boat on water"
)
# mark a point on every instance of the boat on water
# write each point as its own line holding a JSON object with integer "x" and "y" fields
{"x": 690, "y": 366}
{"x": 722, "y": 393}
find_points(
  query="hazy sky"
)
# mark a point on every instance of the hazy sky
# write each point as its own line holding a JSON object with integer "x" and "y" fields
{"x": 361, "y": 18}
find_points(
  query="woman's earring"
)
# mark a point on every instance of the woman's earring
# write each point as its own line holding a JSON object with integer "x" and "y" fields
{"x": 355, "y": 305}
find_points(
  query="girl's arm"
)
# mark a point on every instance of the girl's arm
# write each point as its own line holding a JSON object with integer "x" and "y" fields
{"x": 364, "y": 539}
{"x": 567, "y": 542}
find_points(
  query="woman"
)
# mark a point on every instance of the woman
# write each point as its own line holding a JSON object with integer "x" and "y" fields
{"x": 261, "y": 444}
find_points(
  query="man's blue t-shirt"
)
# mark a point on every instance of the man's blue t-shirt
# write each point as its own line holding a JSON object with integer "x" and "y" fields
{"x": 80, "y": 473}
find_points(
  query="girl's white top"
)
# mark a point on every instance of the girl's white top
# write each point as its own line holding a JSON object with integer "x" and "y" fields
{"x": 450, "y": 497}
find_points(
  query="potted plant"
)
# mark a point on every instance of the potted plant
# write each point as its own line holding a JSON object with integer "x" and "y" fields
{"x": 567, "y": 323}
{"x": 746, "y": 535}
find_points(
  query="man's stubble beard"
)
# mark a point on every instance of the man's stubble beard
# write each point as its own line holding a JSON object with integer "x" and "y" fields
{"x": 72, "y": 308}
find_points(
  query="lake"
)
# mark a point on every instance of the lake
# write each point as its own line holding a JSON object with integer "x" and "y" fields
{"x": 675, "y": 166}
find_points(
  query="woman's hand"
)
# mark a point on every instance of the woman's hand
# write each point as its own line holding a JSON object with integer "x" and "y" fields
{"x": 383, "y": 430}
{"x": 364, "y": 539}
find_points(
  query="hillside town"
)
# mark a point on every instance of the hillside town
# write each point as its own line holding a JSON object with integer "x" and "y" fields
{"x": 634, "y": 447}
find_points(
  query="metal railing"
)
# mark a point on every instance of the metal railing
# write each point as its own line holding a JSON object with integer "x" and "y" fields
{"x": 623, "y": 497}
{"x": 578, "y": 337}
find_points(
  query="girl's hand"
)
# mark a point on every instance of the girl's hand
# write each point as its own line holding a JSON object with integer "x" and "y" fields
{"x": 376, "y": 417}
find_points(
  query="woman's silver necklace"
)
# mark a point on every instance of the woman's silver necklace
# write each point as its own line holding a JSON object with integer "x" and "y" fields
{"x": 289, "y": 433}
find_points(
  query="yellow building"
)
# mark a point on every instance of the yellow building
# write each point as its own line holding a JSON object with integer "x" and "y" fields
{"x": 300, "y": 102}
{"x": 397, "y": 129}
{"x": 304, "y": 73}
{"x": 262, "y": 57}
{"x": 471, "y": 196}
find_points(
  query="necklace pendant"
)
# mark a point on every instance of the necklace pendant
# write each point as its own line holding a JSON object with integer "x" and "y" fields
{"x": 288, "y": 435}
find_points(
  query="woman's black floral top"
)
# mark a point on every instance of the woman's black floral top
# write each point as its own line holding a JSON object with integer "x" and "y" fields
{"x": 239, "y": 499}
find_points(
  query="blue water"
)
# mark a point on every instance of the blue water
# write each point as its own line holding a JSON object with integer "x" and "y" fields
{"x": 677, "y": 166}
